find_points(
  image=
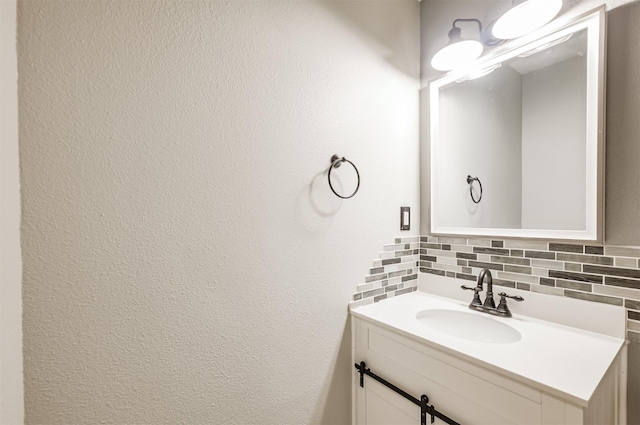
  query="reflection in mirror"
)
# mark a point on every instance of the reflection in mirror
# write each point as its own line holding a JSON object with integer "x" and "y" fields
{"x": 523, "y": 126}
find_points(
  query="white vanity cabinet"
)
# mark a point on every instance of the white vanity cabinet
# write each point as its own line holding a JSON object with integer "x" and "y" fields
{"x": 466, "y": 390}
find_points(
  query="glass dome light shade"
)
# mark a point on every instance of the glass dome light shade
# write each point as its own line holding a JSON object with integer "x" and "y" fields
{"x": 456, "y": 54}
{"x": 525, "y": 17}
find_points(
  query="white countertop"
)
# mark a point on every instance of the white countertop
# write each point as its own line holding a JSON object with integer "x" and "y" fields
{"x": 567, "y": 361}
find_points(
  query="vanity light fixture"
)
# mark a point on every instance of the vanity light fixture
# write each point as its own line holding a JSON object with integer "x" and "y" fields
{"x": 459, "y": 51}
{"x": 524, "y": 17}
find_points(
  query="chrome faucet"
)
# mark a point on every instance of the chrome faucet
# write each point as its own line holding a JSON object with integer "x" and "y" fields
{"x": 489, "y": 305}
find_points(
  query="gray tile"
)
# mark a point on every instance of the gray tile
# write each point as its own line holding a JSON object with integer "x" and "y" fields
{"x": 467, "y": 270}
{"x": 427, "y": 264}
{"x": 523, "y": 286}
{"x": 403, "y": 291}
{"x": 424, "y": 238}
{"x": 462, "y": 263}
{"x": 484, "y": 257}
{"x": 466, "y": 276}
{"x": 547, "y": 264}
{"x": 373, "y": 293}
{"x": 547, "y": 282}
{"x": 580, "y": 277}
{"x": 462, "y": 248}
{"x": 431, "y": 245}
{"x": 410, "y": 277}
{"x": 451, "y": 274}
{"x": 539, "y": 272}
{"x": 633, "y": 315}
{"x": 376, "y": 270}
{"x": 621, "y": 251}
{"x": 592, "y": 297}
{"x": 384, "y": 282}
{"x": 497, "y": 244}
{"x": 549, "y": 290}
{"x": 441, "y": 253}
{"x": 496, "y": 251}
{"x": 403, "y": 253}
{"x": 566, "y": 247}
{"x": 428, "y": 258}
{"x": 633, "y": 273}
{"x": 518, "y": 277}
{"x": 617, "y": 291}
{"x": 573, "y": 267}
{"x": 598, "y": 250}
{"x": 375, "y": 277}
{"x": 591, "y": 259}
{"x": 626, "y": 262}
{"x": 511, "y": 260}
{"x": 578, "y": 286}
{"x": 357, "y": 297}
{"x": 380, "y": 298}
{"x": 466, "y": 256}
{"x": 448, "y": 240}
{"x": 625, "y": 283}
{"x": 517, "y": 269}
{"x": 364, "y": 287}
{"x": 391, "y": 288}
{"x": 446, "y": 247}
{"x": 633, "y": 336}
{"x": 635, "y": 305}
{"x": 482, "y": 265}
{"x": 540, "y": 254}
{"x": 633, "y": 326}
{"x": 526, "y": 244}
{"x": 478, "y": 242}
{"x": 505, "y": 283}
{"x": 390, "y": 261}
{"x": 397, "y": 273}
{"x": 517, "y": 253}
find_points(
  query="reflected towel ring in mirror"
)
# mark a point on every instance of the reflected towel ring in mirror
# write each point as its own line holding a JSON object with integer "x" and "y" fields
{"x": 336, "y": 162}
{"x": 470, "y": 180}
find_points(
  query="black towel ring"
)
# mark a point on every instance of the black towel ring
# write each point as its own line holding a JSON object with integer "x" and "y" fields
{"x": 470, "y": 180}
{"x": 336, "y": 162}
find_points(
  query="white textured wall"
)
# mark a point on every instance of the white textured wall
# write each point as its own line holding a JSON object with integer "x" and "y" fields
{"x": 11, "y": 386}
{"x": 554, "y": 104}
{"x": 184, "y": 260}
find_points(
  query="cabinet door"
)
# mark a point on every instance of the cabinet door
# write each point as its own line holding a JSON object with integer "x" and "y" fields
{"x": 384, "y": 407}
{"x": 464, "y": 392}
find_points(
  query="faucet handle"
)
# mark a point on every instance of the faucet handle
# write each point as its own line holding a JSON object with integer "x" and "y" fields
{"x": 513, "y": 297}
{"x": 502, "y": 307}
{"x": 476, "y": 297}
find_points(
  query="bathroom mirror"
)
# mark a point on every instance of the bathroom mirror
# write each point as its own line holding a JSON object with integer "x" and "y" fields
{"x": 516, "y": 140}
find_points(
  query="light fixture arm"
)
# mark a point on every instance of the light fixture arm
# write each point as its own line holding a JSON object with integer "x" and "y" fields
{"x": 485, "y": 36}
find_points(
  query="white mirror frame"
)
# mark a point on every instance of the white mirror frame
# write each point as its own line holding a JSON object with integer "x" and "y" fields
{"x": 594, "y": 23}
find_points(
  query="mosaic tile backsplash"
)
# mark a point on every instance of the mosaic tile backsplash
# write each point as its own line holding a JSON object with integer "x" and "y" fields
{"x": 395, "y": 273}
{"x": 595, "y": 273}
{"x": 606, "y": 274}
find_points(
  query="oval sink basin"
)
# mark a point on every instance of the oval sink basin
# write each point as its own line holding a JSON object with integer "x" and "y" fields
{"x": 472, "y": 327}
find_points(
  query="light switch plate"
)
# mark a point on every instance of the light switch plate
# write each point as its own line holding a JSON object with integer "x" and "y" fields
{"x": 405, "y": 218}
